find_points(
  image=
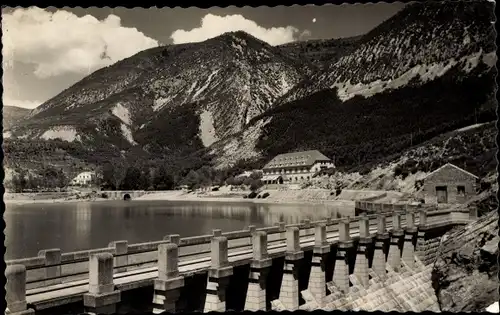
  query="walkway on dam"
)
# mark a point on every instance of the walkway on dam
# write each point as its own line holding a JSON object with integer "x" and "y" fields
{"x": 97, "y": 277}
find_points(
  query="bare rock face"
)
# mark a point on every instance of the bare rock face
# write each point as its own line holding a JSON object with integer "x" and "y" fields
{"x": 465, "y": 274}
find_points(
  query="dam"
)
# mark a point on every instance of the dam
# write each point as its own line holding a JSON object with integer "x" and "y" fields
{"x": 307, "y": 265}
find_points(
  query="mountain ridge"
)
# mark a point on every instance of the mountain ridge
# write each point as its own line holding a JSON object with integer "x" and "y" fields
{"x": 13, "y": 114}
{"x": 120, "y": 102}
{"x": 233, "y": 95}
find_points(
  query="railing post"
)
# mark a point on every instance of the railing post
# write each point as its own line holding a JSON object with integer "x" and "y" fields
{"x": 15, "y": 288}
{"x": 120, "y": 249}
{"x": 362, "y": 257}
{"x": 408, "y": 246}
{"x": 173, "y": 238}
{"x": 317, "y": 278}
{"x": 252, "y": 230}
{"x": 218, "y": 275}
{"x": 341, "y": 269}
{"x": 53, "y": 265}
{"x": 167, "y": 286}
{"x": 307, "y": 226}
{"x": 397, "y": 236}
{"x": 379, "y": 255}
{"x": 289, "y": 292}
{"x": 282, "y": 229}
{"x": 259, "y": 270}
{"x": 421, "y": 248}
{"x": 102, "y": 296}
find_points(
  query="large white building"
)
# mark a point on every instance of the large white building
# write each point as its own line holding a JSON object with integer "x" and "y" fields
{"x": 84, "y": 178}
{"x": 295, "y": 167}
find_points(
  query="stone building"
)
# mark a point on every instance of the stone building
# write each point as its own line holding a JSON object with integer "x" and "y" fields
{"x": 83, "y": 179}
{"x": 449, "y": 184}
{"x": 295, "y": 167}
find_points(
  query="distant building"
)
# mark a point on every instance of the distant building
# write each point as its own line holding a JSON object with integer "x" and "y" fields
{"x": 84, "y": 178}
{"x": 449, "y": 184}
{"x": 295, "y": 167}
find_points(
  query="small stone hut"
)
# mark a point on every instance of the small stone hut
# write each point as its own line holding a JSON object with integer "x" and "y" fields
{"x": 449, "y": 184}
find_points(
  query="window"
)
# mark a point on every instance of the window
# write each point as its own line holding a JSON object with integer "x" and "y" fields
{"x": 461, "y": 190}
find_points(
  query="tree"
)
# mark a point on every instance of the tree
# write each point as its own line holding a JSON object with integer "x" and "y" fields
{"x": 256, "y": 175}
{"x": 238, "y": 181}
{"x": 19, "y": 182}
{"x": 255, "y": 185}
{"x": 53, "y": 177}
{"x": 230, "y": 180}
{"x": 132, "y": 179}
{"x": 192, "y": 179}
{"x": 248, "y": 181}
{"x": 162, "y": 180}
{"x": 113, "y": 173}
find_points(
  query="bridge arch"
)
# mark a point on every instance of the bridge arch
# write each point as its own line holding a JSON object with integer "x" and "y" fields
{"x": 127, "y": 196}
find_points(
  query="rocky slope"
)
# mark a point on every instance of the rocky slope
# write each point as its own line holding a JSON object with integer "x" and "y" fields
{"x": 407, "y": 81}
{"x": 472, "y": 148}
{"x": 12, "y": 115}
{"x": 465, "y": 274}
{"x": 234, "y": 98}
{"x": 226, "y": 81}
{"x": 420, "y": 43}
{"x": 320, "y": 52}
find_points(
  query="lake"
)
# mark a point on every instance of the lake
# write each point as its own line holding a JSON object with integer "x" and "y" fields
{"x": 88, "y": 225}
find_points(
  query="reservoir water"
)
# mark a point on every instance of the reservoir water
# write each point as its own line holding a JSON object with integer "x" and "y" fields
{"x": 88, "y": 225}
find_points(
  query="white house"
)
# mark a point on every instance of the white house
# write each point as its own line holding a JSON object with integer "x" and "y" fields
{"x": 84, "y": 178}
{"x": 295, "y": 167}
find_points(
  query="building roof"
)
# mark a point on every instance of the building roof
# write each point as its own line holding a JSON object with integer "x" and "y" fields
{"x": 270, "y": 177}
{"x": 449, "y": 165}
{"x": 296, "y": 159}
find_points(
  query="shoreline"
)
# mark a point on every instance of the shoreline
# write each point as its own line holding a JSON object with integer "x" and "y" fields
{"x": 187, "y": 198}
{"x": 255, "y": 200}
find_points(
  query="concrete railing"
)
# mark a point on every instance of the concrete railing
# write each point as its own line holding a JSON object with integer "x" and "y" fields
{"x": 194, "y": 254}
{"x": 370, "y": 199}
{"x": 380, "y": 207}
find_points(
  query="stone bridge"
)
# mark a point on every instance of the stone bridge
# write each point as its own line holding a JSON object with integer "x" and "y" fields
{"x": 294, "y": 266}
{"x": 120, "y": 194}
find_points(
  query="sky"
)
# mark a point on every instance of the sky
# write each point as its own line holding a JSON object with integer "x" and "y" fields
{"x": 47, "y": 50}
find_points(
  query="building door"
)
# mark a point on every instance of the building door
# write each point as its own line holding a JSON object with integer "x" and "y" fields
{"x": 442, "y": 194}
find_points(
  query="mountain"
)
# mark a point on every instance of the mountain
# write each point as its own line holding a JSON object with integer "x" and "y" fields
{"x": 12, "y": 115}
{"x": 219, "y": 84}
{"x": 427, "y": 70}
{"x": 234, "y": 99}
{"x": 321, "y": 52}
{"x": 472, "y": 148}
{"x": 419, "y": 43}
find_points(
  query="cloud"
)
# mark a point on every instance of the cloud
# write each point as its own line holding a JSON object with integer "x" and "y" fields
{"x": 215, "y": 25}
{"x": 61, "y": 42}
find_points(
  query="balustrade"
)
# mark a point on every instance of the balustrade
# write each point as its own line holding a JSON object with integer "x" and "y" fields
{"x": 218, "y": 252}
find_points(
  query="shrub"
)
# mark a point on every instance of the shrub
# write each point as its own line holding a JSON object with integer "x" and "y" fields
{"x": 104, "y": 195}
{"x": 397, "y": 171}
{"x": 252, "y": 195}
{"x": 265, "y": 195}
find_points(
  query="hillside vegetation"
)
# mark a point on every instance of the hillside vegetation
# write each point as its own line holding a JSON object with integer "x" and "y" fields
{"x": 472, "y": 148}
{"x": 233, "y": 102}
{"x": 12, "y": 115}
{"x": 362, "y": 129}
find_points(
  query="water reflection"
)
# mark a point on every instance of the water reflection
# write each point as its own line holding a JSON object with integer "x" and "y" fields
{"x": 79, "y": 226}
